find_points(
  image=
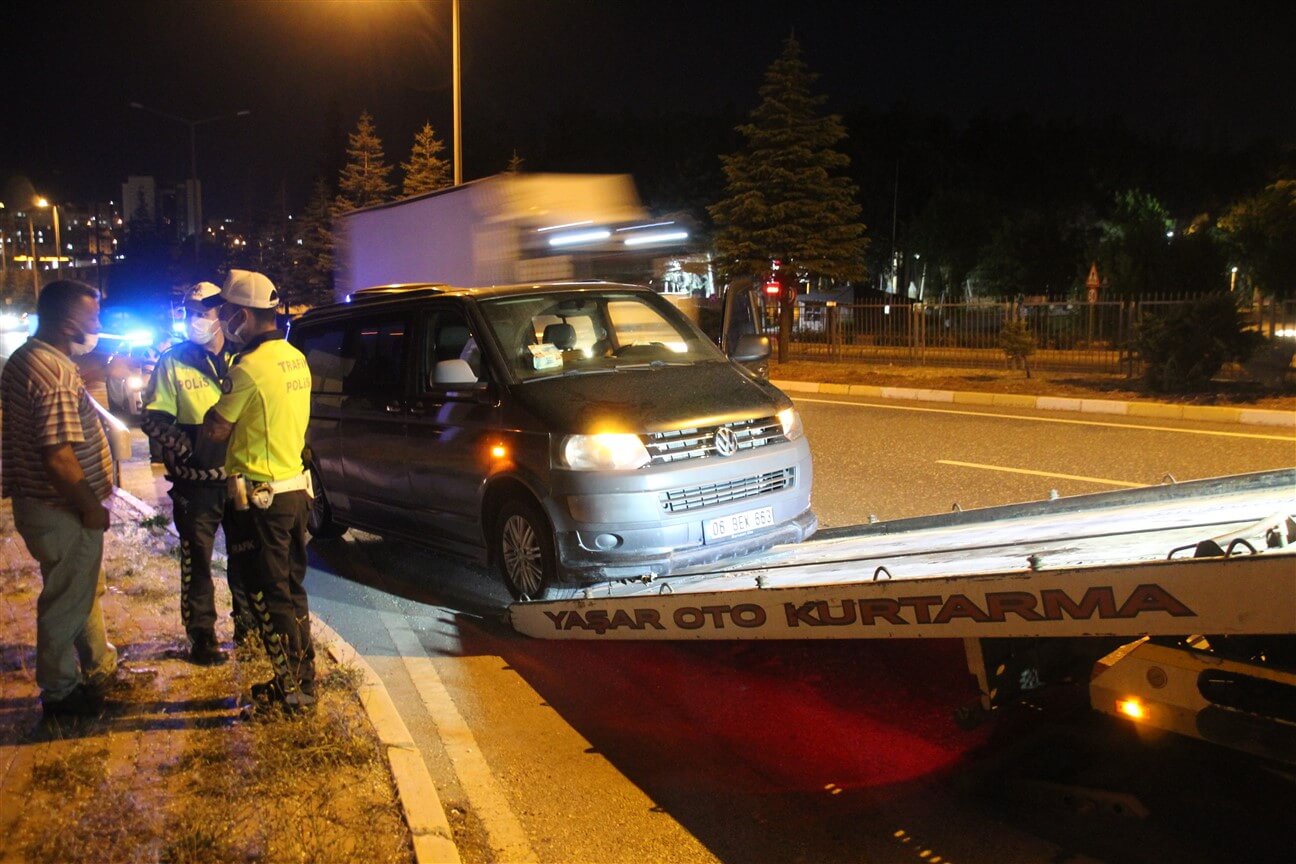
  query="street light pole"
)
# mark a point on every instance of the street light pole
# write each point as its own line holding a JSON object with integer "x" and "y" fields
{"x": 193, "y": 162}
{"x": 4, "y": 259}
{"x": 58, "y": 242}
{"x": 31, "y": 236}
{"x": 42, "y": 203}
{"x": 458, "y": 111}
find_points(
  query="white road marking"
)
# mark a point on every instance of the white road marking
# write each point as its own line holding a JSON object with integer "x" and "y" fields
{"x": 507, "y": 838}
{"x": 1078, "y": 477}
{"x": 1255, "y": 435}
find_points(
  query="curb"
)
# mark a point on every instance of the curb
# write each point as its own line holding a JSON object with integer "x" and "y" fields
{"x": 420, "y": 803}
{"x": 1158, "y": 410}
{"x": 433, "y": 839}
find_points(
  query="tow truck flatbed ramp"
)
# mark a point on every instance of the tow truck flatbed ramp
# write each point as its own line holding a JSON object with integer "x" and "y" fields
{"x": 1107, "y": 564}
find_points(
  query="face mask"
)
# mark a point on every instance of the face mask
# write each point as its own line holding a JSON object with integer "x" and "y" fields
{"x": 86, "y": 345}
{"x": 231, "y": 330}
{"x": 201, "y": 330}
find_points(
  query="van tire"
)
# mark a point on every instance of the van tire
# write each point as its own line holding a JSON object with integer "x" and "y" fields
{"x": 524, "y": 550}
{"x": 319, "y": 516}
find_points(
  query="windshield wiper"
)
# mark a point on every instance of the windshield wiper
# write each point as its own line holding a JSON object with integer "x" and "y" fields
{"x": 567, "y": 373}
{"x": 656, "y": 364}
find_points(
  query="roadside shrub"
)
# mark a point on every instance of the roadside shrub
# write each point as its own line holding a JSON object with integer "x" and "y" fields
{"x": 1018, "y": 343}
{"x": 1185, "y": 346}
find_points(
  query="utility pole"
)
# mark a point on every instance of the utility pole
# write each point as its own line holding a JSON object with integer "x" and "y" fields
{"x": 58, "y": 243}
{"x": 458, "y": 108}
{"x": 31, "y": 236}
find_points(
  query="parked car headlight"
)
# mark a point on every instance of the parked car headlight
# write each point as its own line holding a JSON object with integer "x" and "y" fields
{"x": 135, "y": 382}
{"x": 791, "y": 422}
{"x": 608, "y": 450}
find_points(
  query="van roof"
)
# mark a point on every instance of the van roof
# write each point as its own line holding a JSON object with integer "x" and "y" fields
{"x": 382, "y": 294}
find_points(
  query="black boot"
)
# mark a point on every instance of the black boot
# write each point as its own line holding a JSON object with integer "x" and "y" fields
{"x": 206, "y": 651}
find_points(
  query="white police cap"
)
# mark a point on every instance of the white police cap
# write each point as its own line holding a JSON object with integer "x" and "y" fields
{"x": 250, "y": 289}
{"x": 205, "y": 294}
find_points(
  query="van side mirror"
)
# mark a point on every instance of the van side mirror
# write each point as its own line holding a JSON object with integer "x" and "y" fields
{"x": 453, "y": 373}
{"x": 751, "y": 349}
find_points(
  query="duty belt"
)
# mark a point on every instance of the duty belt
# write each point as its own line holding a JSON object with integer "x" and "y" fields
{"x": 244, "y": 492}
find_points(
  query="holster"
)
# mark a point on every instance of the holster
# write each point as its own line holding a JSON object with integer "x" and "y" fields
{"x": 238, "y": 491}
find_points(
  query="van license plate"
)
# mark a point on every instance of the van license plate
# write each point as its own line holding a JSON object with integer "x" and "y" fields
{"x": 724, "y": 527}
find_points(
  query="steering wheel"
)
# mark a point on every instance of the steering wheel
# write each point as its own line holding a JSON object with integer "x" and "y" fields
{"x": 640, "y": 348}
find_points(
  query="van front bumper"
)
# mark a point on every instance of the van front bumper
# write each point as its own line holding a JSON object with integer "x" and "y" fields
{"x": 617, "y": 525}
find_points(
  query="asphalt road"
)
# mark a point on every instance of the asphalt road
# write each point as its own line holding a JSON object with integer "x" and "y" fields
{"x": 796, "y": 752}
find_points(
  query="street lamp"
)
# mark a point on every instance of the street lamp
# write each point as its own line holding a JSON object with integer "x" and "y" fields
{"x": 195, "y": 191}
{"x": 58, "y": 240}
{"x": 458, "y": 119}
{"x": 1232, "y": 279}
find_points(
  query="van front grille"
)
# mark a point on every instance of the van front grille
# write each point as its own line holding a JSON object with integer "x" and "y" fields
{"x": 679, "y": 444}
{"x": 695, "y": 497}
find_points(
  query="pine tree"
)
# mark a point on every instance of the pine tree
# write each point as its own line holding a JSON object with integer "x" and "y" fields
{"x": 364, "y": 178}
{"x": 785, "y": 196}
{"x": 425, "y": 171}
{"x": 317, "y": 253}
{"x": 514, "y": 164}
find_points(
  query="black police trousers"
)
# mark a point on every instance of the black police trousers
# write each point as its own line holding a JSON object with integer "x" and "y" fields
{"x": 270, "y": 547}
{"x": 198, "y": 510}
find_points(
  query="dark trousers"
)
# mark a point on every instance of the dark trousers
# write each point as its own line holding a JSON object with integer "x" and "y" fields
{"x": 199, "y": 509}
{"x": 270, "y": 546}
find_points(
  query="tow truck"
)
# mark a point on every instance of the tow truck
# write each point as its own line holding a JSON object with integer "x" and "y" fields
{"x": 1177, "y": 601}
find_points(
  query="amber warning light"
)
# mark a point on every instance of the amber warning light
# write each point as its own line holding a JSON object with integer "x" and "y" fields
{"x": 1131, "y": 708}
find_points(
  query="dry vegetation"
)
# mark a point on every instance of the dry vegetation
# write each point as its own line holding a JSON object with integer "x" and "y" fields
{"x": 169, "y": 773}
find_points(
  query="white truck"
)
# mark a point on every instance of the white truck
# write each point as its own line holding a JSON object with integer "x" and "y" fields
{"x": 500, "y": 230}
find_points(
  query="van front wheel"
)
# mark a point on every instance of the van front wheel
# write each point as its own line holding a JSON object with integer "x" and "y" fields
{"x": 524, "y": 550}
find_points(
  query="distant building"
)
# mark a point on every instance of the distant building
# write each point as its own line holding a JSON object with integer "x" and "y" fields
{"x": 140, "y": 202}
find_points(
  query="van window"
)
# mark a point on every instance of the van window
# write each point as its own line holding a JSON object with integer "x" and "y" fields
{"x": 449, "y": 337}
{"x": 378, "y": 346}
{"x": 329, "y": 367}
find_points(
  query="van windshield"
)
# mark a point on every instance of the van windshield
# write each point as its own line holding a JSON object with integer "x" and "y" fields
{"x": 576, "y": 332}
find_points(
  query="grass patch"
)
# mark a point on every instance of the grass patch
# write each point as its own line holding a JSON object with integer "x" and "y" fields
{"x": 341, "y": 678}
{"x": 330, "y": 737}
{"x": 111, "y": 826}
{"x": 158, "y": 520}
{"x": 68, "y": 772}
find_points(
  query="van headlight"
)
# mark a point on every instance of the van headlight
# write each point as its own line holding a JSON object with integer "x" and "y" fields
{"x": 791, "y": 422}
{"x": 605, "y": 451}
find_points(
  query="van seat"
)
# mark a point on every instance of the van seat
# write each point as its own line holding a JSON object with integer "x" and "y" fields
{"x": 562, "y": 336}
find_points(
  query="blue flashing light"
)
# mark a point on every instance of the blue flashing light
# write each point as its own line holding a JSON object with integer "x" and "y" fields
{"x": 143, "y": 336}
{"x": 178, "y": 328}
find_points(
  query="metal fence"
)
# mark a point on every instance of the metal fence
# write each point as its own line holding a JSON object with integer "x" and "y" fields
{"x": 1070, "y": 336}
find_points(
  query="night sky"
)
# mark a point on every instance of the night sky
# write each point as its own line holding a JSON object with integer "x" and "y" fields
{"x": 1209, "y": 74}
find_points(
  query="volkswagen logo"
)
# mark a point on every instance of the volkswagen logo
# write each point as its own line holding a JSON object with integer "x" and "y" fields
{"x": 726, "y": 443}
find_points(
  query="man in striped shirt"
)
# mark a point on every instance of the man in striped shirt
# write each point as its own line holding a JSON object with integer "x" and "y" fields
{"x": 56, "y": 467}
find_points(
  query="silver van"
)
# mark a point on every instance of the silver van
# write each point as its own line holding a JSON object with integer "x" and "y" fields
{"x": 564, "y": 433}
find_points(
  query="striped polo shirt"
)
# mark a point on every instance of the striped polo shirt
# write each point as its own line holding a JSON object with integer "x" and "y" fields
{"x": 45, "y": 404}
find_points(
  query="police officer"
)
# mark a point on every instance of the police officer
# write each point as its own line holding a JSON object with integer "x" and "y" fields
{"x": 186, "y": 382}
{"x": 262, "y": 414}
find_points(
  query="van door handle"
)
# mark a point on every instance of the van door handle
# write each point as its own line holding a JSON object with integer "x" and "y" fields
{"x": 418, "y": 409}
{"x": 393, "y": 408}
